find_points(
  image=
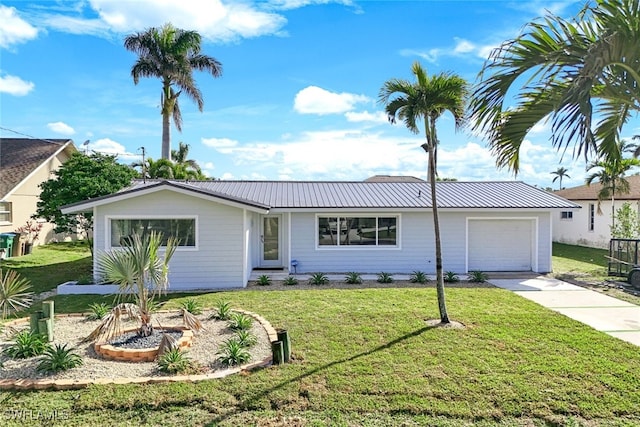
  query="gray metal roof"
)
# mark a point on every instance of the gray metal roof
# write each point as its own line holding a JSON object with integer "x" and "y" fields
{"x": 365, "y": 195}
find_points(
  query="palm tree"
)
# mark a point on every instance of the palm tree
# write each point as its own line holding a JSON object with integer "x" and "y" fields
{"x": 171, "y": 54}
{"x": 559, "y": 173}
{"x": 191, "y": 168}
{"x": 572, "y": 70}
{"x": 610, "y": 173}
{"x": 138, "y": 269}
{"x": 427, "y": 99}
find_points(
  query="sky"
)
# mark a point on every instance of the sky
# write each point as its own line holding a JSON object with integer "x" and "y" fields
{"x": 298, "y": 98}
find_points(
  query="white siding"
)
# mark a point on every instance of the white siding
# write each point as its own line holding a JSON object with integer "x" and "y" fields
{"x": 218, "y": 260}
{"x": 576, "y": 231}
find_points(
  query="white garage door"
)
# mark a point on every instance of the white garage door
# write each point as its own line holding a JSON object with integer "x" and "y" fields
{"x": 500, "y": 245}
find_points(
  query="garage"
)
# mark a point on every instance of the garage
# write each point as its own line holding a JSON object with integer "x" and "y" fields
{"x": 500, "y": 244}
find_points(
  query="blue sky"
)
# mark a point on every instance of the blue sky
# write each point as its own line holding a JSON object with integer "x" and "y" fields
{"x": 297, "y": 99}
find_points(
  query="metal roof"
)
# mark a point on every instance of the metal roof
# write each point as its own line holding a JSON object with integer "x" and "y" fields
{"x": 367, "y": 195}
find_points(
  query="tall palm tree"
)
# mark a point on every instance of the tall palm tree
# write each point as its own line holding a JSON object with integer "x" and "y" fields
{"x": 427, "y": 99}
{"x": 171, "y": 54}
{"x": 572, "y": 71}
{"x": 559, "y": 174}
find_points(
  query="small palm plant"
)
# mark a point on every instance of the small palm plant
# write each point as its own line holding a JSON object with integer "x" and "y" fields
{"x": 140, "y": 270}
{"x": 385, "y": 277}
{"x": 223, "y": 310}
{"x": 27, "y": 344}
{"x": 318, "y": 279}
{"x": 59, "y": 358}
{"x": 478, "y": 276}
{"x": 353, "y": 278}
{"x": 15, "y": 293}
{"x": 232, "y": 352}
{"x": 451, "y": 277}
{"x": 98, "y": 311}
{"x": 192, "y": 305}
{"x": 174, "y": 361}
{"x": 240, "y": 322}
{"x": 418, "y": 277}
{"x": 264, "y": 280}
{"x": 290, "y": 281}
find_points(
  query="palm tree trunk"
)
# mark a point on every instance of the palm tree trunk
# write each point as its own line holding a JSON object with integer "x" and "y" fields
{"x": 166, "y": 135}
{"x": 442, "y": 306}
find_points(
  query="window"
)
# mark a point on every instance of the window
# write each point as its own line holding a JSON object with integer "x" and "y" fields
{"x": 183, "y": 229}
{"x": 567, "y": 215}
{"x": 592, "y": 215}
{"x": 357, "y": 231}
{"x": 5, "y": 212}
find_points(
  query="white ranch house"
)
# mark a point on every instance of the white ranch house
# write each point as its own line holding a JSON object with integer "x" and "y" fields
{"x": 229, "y": 229}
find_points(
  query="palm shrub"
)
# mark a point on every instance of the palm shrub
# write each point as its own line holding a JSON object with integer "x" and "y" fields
{"x": 98, "y": 311}
{"x": 138, "y": 269}
{"x": 353, "y": 278}
{"x": 174, "y": 361}
{"x": 478, "y": 276}
{"x": 192, "y": 305}
{"x": 222, "y": 310}
{"x": 246, "y": 338}
{"x": 240, "y": 322}
{"x": 318, "y": 279}
{"x": 15, "y": 293}
{"x": 385, "y": 277}
{"x": 451, "y": 277}
{"x": 27, "y": 344}
{"x": 264, "y": 280}
{"x": 418, "y": 277}
{"x": 59, "y": 358}
{"x": 290, "y": 281}
{"x": 232, "y": 352}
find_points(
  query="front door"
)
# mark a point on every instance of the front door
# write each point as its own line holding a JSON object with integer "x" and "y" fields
{"x": 270, "y": 241}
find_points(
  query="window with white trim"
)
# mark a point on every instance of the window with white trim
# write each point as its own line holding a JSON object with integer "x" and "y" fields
{"x": 5, "y": 212}
{"x": 348, "y": 231}
{"x": 184, "y": 229}
{"x": 592, "y": 216}
{"x": 566, "y": 215}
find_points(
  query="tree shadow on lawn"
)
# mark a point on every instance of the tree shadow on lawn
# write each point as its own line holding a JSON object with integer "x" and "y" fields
{"x": 48, "y": 277}
{"x": 255, "y": 398}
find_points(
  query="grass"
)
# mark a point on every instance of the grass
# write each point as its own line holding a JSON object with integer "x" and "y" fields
{"x": 50, "y": 265}
{"x": 367, "y": 357}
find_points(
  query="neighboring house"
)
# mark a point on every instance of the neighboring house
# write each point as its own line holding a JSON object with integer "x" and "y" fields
{"x": 589, "y": 226}
{"x": 24, "y": 164}
{"x": 227, "y": 229}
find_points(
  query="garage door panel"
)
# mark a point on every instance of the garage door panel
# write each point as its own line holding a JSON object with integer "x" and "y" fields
{"x": 500, "y": 245}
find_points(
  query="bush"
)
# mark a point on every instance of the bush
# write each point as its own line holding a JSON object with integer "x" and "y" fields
{"x": 223, "y": 310}
{"x": 451, "y": 277}
{"x": 27, "y": 345}
{"x": 233, "y": 353}
{"x": 353, "y": 278}
{"x": 290, "y": 281}
{"x": 246, "y": 338}
{"x": 418, "y": 277}
{"x": 174, "y": 361}
{"x": 98, "y": 311}
{"x": 59, "y": 358}
{"x": 264, "y": 280}
{"x": 385, "y": 278}
{"x": 240, "y": 322}
{"x": 478, "y": 276}
{"x": 318, "y": 279}
{"x": 192, "y": 305}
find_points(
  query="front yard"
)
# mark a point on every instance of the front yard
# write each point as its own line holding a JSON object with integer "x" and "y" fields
{"x": 366, "y": 357}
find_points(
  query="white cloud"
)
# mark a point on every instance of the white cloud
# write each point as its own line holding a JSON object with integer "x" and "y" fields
{"x": 460, "y": 48}
{"x": 61, "y": 128}
{"x": 315, "y": 100}
{"x": 365, "y": 116}
{"x": 463, "y": 46}
{"x": 223, "y": 145}
{"x": 430, "y": 55}
{"x": 295, "y": 4}
{"x": 15, "y": 85}
{"x": 108, "y": 146}
{"x": 14, "y": 29}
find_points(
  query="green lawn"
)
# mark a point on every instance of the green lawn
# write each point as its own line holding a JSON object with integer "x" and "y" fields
{"x": 365, "y": 357}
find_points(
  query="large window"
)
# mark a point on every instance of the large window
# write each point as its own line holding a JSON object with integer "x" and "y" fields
{"x": 5, "y": 212}
{"x": 184, "y": 229}
{"x": 357, "y": 231}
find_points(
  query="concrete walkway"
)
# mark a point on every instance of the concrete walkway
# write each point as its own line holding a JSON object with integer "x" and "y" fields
{"x": 610, "y": 315}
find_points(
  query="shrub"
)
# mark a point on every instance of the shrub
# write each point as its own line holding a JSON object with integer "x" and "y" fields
{"x": 59, "y": 358}
{"x": 192, "y": 305}
{"x": 264, "y": 280}
{"x": 246, "y": 338}
{"x": 418, "y": 277}
{"x": 318, "y": 279}
{"x": 478, "y": 276}
{"x": 223, "y": 310}
{"x": 15, "y": 293}
{"x": 240, "y": 322}
{"x": 98, "y": 311}
{"x": 385, "y": 278}
{"x": 353, "y": 278}
{"x": 174, "y": 361}
{"x": 290, "y": 281}
{"x": 451, "y": 277}
{"x": 27, "y": 345}
{"x": 233, "y": 353}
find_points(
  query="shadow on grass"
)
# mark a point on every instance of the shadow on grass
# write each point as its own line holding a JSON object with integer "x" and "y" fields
{"x": 248, "y": 402}
{"x": 47, "y": 277}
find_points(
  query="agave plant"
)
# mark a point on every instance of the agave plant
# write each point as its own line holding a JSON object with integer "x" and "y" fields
{"x": 15, "y": 293}
{"x": 140, "y": 270}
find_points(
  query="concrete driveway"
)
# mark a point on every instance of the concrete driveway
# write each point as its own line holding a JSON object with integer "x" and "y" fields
{"x": 610, "y": 315}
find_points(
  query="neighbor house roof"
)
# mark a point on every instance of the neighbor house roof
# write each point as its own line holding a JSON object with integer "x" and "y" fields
{"x": 293, "y": 195}
{"x": 393, "y": 178}
{"x": 20, "y": 157}
{"x": 590, "y": 192}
